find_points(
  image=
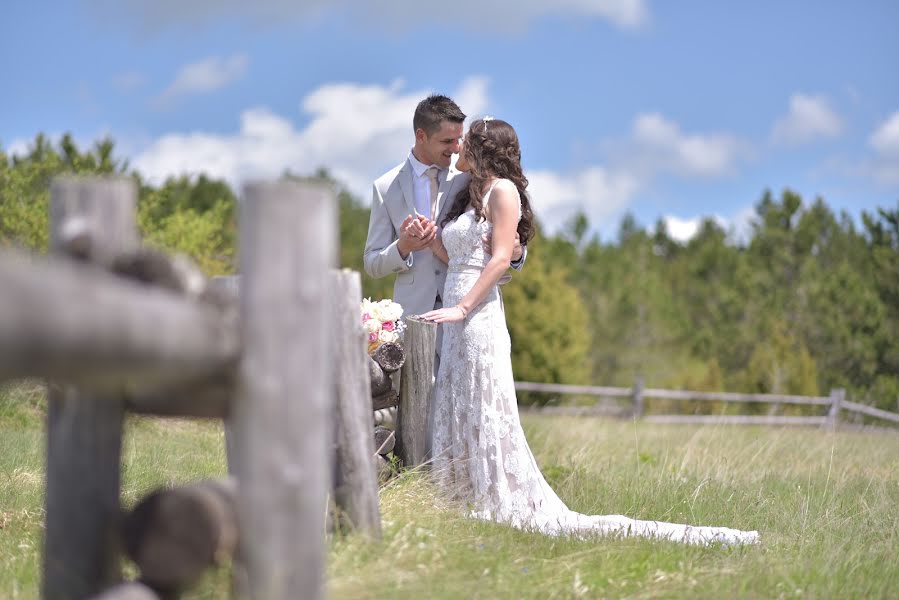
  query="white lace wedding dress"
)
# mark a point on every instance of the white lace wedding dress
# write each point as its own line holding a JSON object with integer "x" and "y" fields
{"x": 480, "y": 454}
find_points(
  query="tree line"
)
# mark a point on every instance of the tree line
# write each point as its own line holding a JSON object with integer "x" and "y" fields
{"x": 808, "y": 301}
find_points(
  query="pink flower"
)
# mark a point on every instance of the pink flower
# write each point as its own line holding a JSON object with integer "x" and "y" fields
{"x": 365, "y": 317}
{"x": 387, "y": 325}
{"x": 372, "y": 337}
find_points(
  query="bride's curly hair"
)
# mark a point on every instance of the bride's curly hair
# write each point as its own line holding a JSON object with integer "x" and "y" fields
{"x": 491, "y": 150}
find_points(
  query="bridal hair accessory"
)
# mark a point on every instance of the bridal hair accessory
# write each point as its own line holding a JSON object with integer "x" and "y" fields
{"x": 486, "y": 119}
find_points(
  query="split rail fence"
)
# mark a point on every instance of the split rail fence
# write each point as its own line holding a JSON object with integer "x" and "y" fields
{"x": 635, "y": 405}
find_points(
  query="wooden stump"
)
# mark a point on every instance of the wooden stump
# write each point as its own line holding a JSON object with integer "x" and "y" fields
{"x": 380, "y": 379}
{"x": 391, "y": 356}
{"x": 385, "y": 440}
{"x": 384, "y": 471}
{"x": 174, "y": 535}
{"x": 416, "y": 387}
{"x": 385, "y": 400}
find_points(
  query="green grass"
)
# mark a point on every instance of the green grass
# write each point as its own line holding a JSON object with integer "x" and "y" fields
{"x": 827, "y": 507}
{"x": 155, "y": 452}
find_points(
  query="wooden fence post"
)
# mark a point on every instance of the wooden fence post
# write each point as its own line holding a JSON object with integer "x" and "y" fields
{"x": 637, "y": 397}
{"x": 356, "y": 483}
{"x": 416, "y": 389}
{"x": 229, "y": 284}
{"x": 284, "y": 405}
{"x": 84, "y": 432}
{"x": 837, "y": 395}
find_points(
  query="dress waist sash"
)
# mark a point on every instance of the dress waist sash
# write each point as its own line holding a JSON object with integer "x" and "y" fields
{"x": 465, "y": 269}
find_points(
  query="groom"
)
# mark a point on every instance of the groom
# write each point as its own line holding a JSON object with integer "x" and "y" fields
{"x": 408, "y": 203}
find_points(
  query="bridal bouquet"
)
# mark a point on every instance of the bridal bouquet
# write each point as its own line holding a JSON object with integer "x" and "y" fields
{"x": 382, "y": 322}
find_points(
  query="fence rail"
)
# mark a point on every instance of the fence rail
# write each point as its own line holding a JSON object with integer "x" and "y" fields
{"x": 835, "y": 402}
{"x": 736, "y": 397}
{"x": 737, "y": 420}
{"x": 870, "y": 411}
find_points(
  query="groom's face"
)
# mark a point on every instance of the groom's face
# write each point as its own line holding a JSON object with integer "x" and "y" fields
{"x": 439, "y": 147}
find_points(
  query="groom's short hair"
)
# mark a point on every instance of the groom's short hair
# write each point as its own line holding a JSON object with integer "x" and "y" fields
{"x": 433, "y": 110}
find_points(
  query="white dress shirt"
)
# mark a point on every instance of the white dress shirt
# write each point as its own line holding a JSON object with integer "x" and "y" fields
{"x": 421, "y": 185}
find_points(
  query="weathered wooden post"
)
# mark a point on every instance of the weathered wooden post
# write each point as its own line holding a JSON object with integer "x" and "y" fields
{"x": 284, "y": 404}
{"x": 416, "y": 388}
{"x": 356, "y": 484}
{"x": 97, "y": 220}
{"x": 637, "y": 396}
{"x": 837, "y": 395}
{"x": 229, "y": 284}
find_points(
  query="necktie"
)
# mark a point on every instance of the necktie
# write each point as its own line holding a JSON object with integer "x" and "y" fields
{"x": 432, "y": 175}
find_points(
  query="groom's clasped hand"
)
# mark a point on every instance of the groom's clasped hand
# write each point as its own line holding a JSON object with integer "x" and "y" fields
{"x": 417, "y": 232}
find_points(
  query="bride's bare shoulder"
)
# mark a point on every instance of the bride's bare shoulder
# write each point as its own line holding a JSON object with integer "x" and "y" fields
{"x": 504, "y": 189}
{"x": 503, "y": 199}
{"x": 507, "y": 185}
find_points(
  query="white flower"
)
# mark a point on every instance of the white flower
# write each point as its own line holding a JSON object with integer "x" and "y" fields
{"x": 372, "y": 326}
{"x": 382, "y": 311}
{"x": 377, "y": 311}
{"x": 365, "y": 307}
{"x": 386, "y": 337}
{"x": 390, "y": 310}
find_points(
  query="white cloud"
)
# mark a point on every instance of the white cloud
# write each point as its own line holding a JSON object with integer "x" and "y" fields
{"x": 738, "y": 226}
{"x": 130, "y": 81}
{"x": 159, "y": 14}
{"x": 681, "y": 230}
{"x": 202, "y": 77}
{"x": 809, "y": 119}
{"x": 603, "y": 195}
{"x": 885, "y": 139}
{"x": 741, "y": 224}
{"x": 356, "y": 131}
{"x": 624, "y": 13}
{"x": 360, "y": 131}
{"x": 885, "y": 142}
{"x": 657, "y": 144}
{"x": 18, "y": 147}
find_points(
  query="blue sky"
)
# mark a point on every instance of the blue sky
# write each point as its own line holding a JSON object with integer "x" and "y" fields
{"x": 669, "y": 109}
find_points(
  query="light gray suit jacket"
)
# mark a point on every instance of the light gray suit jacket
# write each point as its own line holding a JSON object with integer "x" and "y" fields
{"x": 420, "y": 277}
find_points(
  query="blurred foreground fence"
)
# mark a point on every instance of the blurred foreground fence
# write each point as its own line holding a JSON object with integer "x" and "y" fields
{"x": 635, "y": 405}
{"x": 116, "y": 327}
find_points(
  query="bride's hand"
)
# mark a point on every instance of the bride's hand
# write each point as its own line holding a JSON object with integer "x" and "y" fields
{"x": 437, "y": 243}
{"x": 446, "y": 315}
{"x": 517, "y": 248}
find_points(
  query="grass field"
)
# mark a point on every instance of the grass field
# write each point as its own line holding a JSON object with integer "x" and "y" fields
{"x": 826, "y": 504}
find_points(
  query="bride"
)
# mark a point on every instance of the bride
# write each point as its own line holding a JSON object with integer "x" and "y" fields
{"x": 480, "y": 452}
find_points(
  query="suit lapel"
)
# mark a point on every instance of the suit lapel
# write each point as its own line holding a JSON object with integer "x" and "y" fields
{"x": 405, "y": 177}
